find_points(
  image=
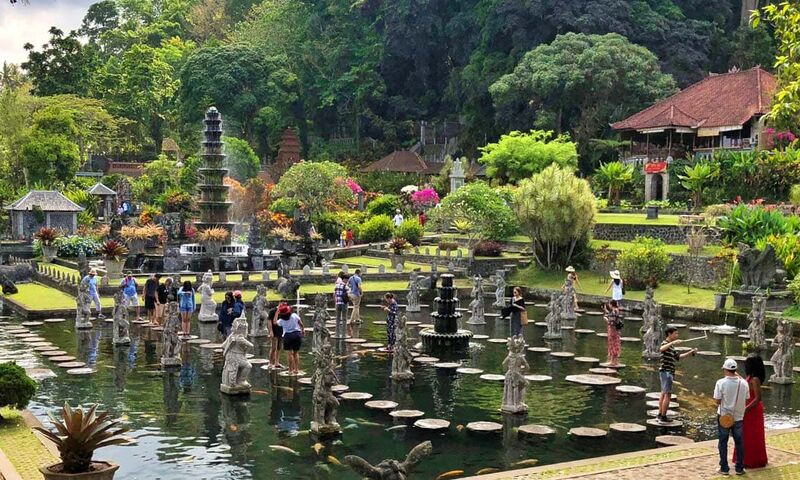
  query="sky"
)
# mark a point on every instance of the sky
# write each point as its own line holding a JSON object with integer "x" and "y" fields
{"x": 21, "y": 23}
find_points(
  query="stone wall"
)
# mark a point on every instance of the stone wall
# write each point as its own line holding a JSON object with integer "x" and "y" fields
{"x": 483, "y": 266}
{"x": 670, "y": 234}
{"x": 679, "y": 269}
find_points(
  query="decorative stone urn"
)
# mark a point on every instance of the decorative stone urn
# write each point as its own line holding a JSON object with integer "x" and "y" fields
{"x": 101, "y": 470}
{"x": 136, "y": 246}
{"x": 114, "y": 268}
{"x": 49, "y": 253}
{"x": 212, "y": 248}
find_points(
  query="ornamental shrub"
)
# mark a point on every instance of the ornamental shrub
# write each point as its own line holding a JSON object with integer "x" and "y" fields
{"x": 787, "y": 248}
{"x": 644, "y": 263}
{"x": 286, "y": 206}
{"x": 71, "y": 246}
{"x": 384, "y": 205}
{"x": 16, "y": 387}
{"x": 488, "y": 249}
{"x": 748, "y": 224}
{"x": 377, "y": 229}
{"x": 794, "y": 286}
{"x": 424, "y": 199}
{"x": 482, "y": 211}
{"x": 410, "y": 230}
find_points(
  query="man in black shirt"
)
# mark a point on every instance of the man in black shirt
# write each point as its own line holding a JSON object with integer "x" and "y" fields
{"x": 666, "y": 370}
{"x": 150, "y": 299}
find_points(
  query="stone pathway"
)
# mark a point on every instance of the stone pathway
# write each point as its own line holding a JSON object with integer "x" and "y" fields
{"x": 683, "y": 462}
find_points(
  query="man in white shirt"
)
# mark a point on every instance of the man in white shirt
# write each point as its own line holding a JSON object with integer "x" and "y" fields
{"x": 731, "y": 394}
{"x": 398, "y": 218}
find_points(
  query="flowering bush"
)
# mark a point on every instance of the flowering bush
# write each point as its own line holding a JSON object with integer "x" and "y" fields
{"x": 424, "y": 199}
{"x": 354, "y": 187}
{"x": 148, "y": 215}
{"x": 71, "y": 246}
{"x": 488, "y": 249}
{"x": 780, "y": 139}
{"x": 284, "y": 233}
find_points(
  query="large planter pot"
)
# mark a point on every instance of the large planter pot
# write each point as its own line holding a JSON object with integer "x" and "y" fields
{"x": 114, "y": 268}
{"x": 102, "y": 470}
{"x": 136, "y": 246}
{"x": 652, "y": 213}
{"x": 49, "y": 253}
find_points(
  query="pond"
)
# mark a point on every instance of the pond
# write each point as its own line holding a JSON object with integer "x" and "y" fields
{"x": 184, "y": 428}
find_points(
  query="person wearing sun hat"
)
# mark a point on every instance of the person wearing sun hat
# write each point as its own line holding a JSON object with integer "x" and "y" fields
{"x": 293, "y": 332}
{"x": 616, "y": 286}
{"x": 91, "y": 280}
{"x": 731, "y": 394}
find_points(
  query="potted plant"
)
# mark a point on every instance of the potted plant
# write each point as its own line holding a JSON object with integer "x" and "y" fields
{"x": 152, "y": 234}
{"x": 397, "y": 246}
{"x": 114, "y": 254}
{"x": 135, "y": 237}
{"x": 79, "y": 434}
{"x": 47, "y": 238}
{"x": 212, "y": 239}
{"x": 282, "y": 236}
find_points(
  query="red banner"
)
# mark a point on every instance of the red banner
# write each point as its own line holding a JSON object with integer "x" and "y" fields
{"x": 655, "y": 167}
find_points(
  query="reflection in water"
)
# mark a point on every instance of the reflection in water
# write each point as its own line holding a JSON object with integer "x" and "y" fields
{"x": 121, "y": 365}
{"x": 235, "y": 422}
{"x": 401, "y": 393}
{"x": 187, "y": 368}
{"x": 445, "y": 385}
{"x": 285, "y": 412}
{"x": 513, "y": 451}
{"x": 172, "y": 403}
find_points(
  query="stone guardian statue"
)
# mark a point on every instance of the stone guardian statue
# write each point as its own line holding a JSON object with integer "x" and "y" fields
{"x": 390, "y": 469}
{"x": 236, "y": 368}
{"x": 121, "y": 324}
{"x": 652, "y": 326}
{"x": 325, "y": 404}
{"x": 515, "y": 382}
{"x": 171, "y": 337}
{"x": 322, "y": 335}
{"x": 553, "y": 318}
{"x": 84, "y": 307}
{"x": 476, "y": 305}
{"x": 782, "y": 359}
{"x": 260, "y": 322}
{"x": 500, "y": 289}
{"x": 755, "y": 329}
{"x": 401, "y": 358}
{"x": 412, "y": 298}
{"x": 208, "y": 307}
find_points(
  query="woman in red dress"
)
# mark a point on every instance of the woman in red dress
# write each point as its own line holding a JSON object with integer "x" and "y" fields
{"x": 614, "y": 325}
{"x": 755, "y": 449}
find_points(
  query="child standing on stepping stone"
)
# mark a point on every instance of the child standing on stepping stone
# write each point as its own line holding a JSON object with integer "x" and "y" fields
{"x": 666, "y": 370}
{"x": 391, "y": 317}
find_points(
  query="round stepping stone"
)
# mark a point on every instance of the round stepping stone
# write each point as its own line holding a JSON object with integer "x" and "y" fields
{"x": 654, "y": 422}
{"x": 587, "y": 432}
{"x": 259, "y": 361}
{"x": 355, "y": 340}
{"x": 62, "y": 358}
{"x": 210, "y": 346}
{"x": 81, "y": 371}
{"x": 724, "y": 332}
{"x": 141, "y": 322}
{"x": 631, "y": 389}
{"x": 45, "y": 348}
{"x": 593, "y": 379}
{"x": 406, "y": 414}
{"x": 480, "y": 337}
{"x": 493, "y": 377}
{"x": 676, "y": 325}
{"x": 339, "y": 388}
{"x": 603, "y": 371}
{"x": 55, "y": 320}
{"x": 584, "y": 330}
{"x": 380, "y": 404}
{"x": 634, "y": 319}
{"x": 630, "y": 339}
{"x": 657, "y": 396}
{"x": 32, "y": 324}
{"x": 682, "y": 349}
{"x": 497, "y": 340}
{"x": 708, "y": 353}
{"x": 469, "y": 371}
{"x": 538, "y": 378}
{"x": 796, "y": 369}
{"x": 33, "y": 339}
{"x": 567, "y": 327}
{"x": 744, "y": 336}
{"x": 54, "y": 353}
{"x": 426, "y": 359}
{"x": 594, "y": 313}
{"x": 484, "y": 427}
{"x": 17, "y": 331}
{"x": 654, "y": 413}
{"x": 601, "y": 334}
{"x": 672, "y": 440}
{"x": 40, "y": 344}
{"x": 617, "y": 366}
{"x": 381, "y": 322}
{"x": 540, "y": 324}
{"x": 654, "y": 404}
{"x": 432, "y": 424}
{"x": 156, "y": 329}
{"x": 218, "y": 350}
{"x": 540, "y": 305}
{"x": 72, "y": 364}
{"x": 372, "y": 345}
{"x": 356, "y": 396}
{"x": 587, "y": 359}
{"x": 27, "y": 334}
{"x": 562, "y": 354}
{"x": 413, "y": 323}
{"x": 738, "y": 358}
{"x": 538, "y": 349}
{"x": 535, "y": 430}
{"x": 627, "y": 427}
{"x": 198, "y": 341}
{"x": 447, "y": 365}
{"x": 699, "y": 328}
{"x": 304, "y": 380}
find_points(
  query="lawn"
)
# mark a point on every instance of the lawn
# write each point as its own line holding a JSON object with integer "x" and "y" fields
{"x": 595, "y": 284}
{"x": 21, "y": 446}
{"x": 709, "y": 250}
{"x": 636, "y": 219}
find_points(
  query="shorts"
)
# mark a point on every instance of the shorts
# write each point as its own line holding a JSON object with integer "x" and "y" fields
{"x": 277, "y": 331}
{"x": 131, "y": 300}
{"x": 186, "y": 309}
{"x": 666, "y": 381}
{"x": 150, "y": 303}
{"x": 292, "y": 341}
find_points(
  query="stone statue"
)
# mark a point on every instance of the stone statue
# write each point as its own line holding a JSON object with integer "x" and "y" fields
{"x": 208, "y": 307}
{"x": 83, "y": 263}
{"x": 553, "y": 318}
{"x": 782, "y": 359}
{"x": 515, "y": 382}
{"x": 84, "y": 306}
{"x": 324, "y": 402}
{"x": 401, "y": 359}
{"x": 500, "y": 289}
{"x": 412, "y": 298}
{"x": 261, "y": 327}
{"x": 390, "y": 469}
{"x": 760, "y": 269}
{"x": 322, "y": 335}
{"x": 287, "y": 286}
{"x": 651, "y": 326}
{"x": 236, "y": 368}
{"x": 171, "y": 337}
{"x": 756, "y": 327}
{"x": 476, "y": 306}
{"x": 568, "y": 301}
{"x": 121, "y": 325}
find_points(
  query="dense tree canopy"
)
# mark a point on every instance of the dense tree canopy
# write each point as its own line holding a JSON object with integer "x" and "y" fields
{"x": 519, "y": 155}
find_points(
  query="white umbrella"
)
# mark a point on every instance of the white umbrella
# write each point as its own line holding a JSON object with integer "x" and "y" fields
{"x": 409, "y": 189}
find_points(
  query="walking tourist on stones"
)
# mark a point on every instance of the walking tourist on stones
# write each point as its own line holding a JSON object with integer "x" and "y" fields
{"x": 515, "y": 382}
{"x": 390, "y": 307}
{"x": 731, "y": 394}
{"x": 355, "y": 294}
{"x": 186, "y": 306}
{"x": 130, "y": 290}
{"x": 340, "y": 299}
{"x": 401, "y": 359}
{"x": 236, "y": 368}
{"x": 616, "y": 286}
{"x": 666, "y": 369}
{"x": 121, "y": 324}
{"x": 229, "y": 311}
{"x": 755, "y": 446}
{"x": 150, "y": 288}
{"x": 519, "y": 315}
{"x": 277, "y": 336}
{"x": 293, "y": 332}
{"x": 91, "y": 281}
{"x": 613, "y": 318}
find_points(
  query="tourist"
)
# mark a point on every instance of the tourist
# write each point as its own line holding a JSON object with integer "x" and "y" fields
{"x": 731, "y": 394}
{"x": 229, "y": 310}
{"x": 517, "y": 307}
{"x": 422, "y": 219}
{"x": 755, "y": 448}
{"x": 666, "y": 369}
{"x": 186, "y": 305}
{"x": 162, "y": 298}
{"x": 390, "y": 308}
{"x": 398, "y": 218}
{"x": 573, "y": 276}
{"x": 130, "y": 290}
{"x": 293, "y": 332}
{"x": 277, "y": 336}
{"x": 150, "y": 290}
{"x": 613, "y": 320}
{"x": 343, "y": 238}
{"x": 172, "y": 290}
{"x": 340, "y": 299}
{"x": 91, "y": 280}
{"x": 616, "y": 286}
{"x": 355, "y": 294}
{"x": 348, "y": 236}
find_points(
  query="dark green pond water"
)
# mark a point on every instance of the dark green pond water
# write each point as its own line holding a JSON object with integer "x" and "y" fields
{"x": 186, "y": 429}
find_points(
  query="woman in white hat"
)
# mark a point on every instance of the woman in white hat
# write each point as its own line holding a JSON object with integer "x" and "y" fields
{"x": 573, "y": 275}
{"x": 616, "y": 286}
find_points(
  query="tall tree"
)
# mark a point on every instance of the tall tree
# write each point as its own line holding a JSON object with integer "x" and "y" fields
{"x": 63, "y": 65}
{"x": 785, "y": 18}
{"x": 49, "y": 153}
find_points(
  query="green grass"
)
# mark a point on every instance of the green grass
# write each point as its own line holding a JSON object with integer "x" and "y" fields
{"x": 709, "y": 250}
{"x": 590, "y": 283}
{"x": 636, "y": 219}
{"x": 35, "y": 296}
{"x": 22, "y": 447}
{"x": 375, "y": 262}
{"x": 793, "y": 313}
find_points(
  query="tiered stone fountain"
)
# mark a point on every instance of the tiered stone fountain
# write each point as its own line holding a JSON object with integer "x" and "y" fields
{"x": 445, "y": 335}
{"x": 213, "y": 203}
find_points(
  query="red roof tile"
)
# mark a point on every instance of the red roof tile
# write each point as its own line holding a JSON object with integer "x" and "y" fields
{"x": 718, "y": 100}
{"x": 398, "y": 161}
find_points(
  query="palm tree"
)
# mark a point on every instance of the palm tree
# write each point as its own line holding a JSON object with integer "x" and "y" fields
{"x": 697, "y": 178}
{"x": 615, "y": 176}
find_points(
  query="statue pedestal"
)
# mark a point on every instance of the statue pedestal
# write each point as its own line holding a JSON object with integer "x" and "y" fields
{"x": 208, "y": 318}
{"x": 170, "y": 362}
{"x": 259, "y": 333}
{"x": 781, "y": 380}
{"x": 403, "y": 376}
{"x": 84, "y": 326}
{"x": 447, "y": 342}
{"x": 123, "y": 341}
{"x": 776, "y": 300}
{"x": 325, "y": 431}
{"x": 476, "y": 321}
{"x": 235, "y": 389}
{"x": 514, "y": 409}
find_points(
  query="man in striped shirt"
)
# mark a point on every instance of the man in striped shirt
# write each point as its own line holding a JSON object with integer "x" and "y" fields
{"x": 666, "y": 370}
{"x": 340, "y": 298}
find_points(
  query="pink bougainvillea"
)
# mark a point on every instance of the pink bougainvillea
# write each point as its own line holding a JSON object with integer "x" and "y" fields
{"x": 424, "y": 199}
{"x": 354, "y": 187}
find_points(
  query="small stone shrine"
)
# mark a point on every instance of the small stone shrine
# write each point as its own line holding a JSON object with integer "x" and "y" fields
{"x": 121, "y": 324}
{"x": 84, "y": 307}
{"x": 237, "y": 367}
{"x": 651, "y": 326}
{"x": 476, "y": 305}
{"x": 261, "y": 322}
{"x": 171, "y": 337}
{"x": 322, "y": 335}
{"x": 782, "y": 359}
{"x": 401, "y": 358}
{"x": 445, "y": 334}
{"x": 553, "y": 318}
{"x": 324, "y": 402}
{"x": 208, "y": 307}
{"x": 755, "y": 329}
{"x": 412, "y": 297}
{"x": 500, "y": 289}
{"x": 514, "y": 387}
{"x": 390, "y": 469}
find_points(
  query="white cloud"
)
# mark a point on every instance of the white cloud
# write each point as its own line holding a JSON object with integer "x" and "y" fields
{"x": 22, "y": 23}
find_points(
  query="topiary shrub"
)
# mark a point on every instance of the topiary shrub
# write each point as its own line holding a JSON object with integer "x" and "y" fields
{"x": 411, "y": 230}
{"x": 16, "y": 387}
{"x": 384, "y": 205}
{"x": 376, "y": 229}
{"x": 447, "y": 245}
{"x": 644, "y": 263}
{"x": 488, "y": 249}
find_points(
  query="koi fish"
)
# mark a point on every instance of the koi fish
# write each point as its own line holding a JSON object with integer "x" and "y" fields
{"x": 396, "y": 427}
{"x": 486, "y": 471}
{"x": 260, "y": 392}
{"x": 318, "y": 447}
{"x": 459, "y": 427}
{"x": 450, "y": 474}
{"x": 334, "y": 460}
{"x": 350, "y": 426}
{"x": 526, "y": 463}
{"x": 281, "y": 448}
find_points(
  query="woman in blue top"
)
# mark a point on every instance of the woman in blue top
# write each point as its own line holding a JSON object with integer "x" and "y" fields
{"x": 186, "y": 305}
{"x": 229, "y": 311}
{"x": 293, "y": 332}
{"x": 391, "y": 317}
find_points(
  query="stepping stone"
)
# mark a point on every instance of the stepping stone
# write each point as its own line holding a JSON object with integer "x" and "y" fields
{"x": 493, "y": 377}
{"x": 738, "y": 358}
{"x": 81, "y": 371}
{"x": 627, "y": 427}
{"x": 447, "y": 365}
{"x": 634, "y": 319}
{"x": 210, "y": 346}
{"x": 497, "y": 340}
{"x": 40, "y": 373}
{"x": 540, "y": 305}
{"x": 617, "y": 366}
{"x": 469, "y": 371}
{"x": 630, "y": 339}
{"x": 676, "y": 325}
{"x": 699, "y": 328}
{"x": 55, "y": 320}
{"x": 218, "y": 350}
{"x": 33, "y": 339}
{"x": 413, "y": 323}
{"x": 259, "y": 361}
{"x": 653, "y": 422}
{"x": 580, "y": 310}
{"x": 381, "y": 322}
{"x": 744, "y": 336}
{"x": 156, "y": 329}
{"x": 583, "y": 330}
{"x": 654, "y": 404}
{"x": 708, "y": 353}
{"x": 45, "y": 348}
{"x": 682, "y": 349}
{"x": 587, "y": 359}
{"x": 534, "y": 430}
{"x": 406, "y": 414}
{"x": 432, "y": 424}
{"x": 540, "y": 324}
{"x": 380, "y": 404}
{"x": 16, "y": 331}
{"x": 339, "y": 388}
{"x": 72, "y": 364}
{"x": 562, "y": 354}
{"x": 601, "y": 334}
{"x": 672, "y": 440}
{"x": 631, "y": 389}
{"x": 304, "y": 380}
{"x": 603, "y": 371}
{"x": 198, "y": 341}
{"x": 491, "y": 315}
{"x": 54, "y": 353}
{"x": 724, "y": 332}
{"x": 355, "y": 396}
{"x": 27, "y": 334}
{"x": 426, "y": 359}
{"x": 480, "y": 337}
{"x": 355, "y": 340}
{"x": 593, "y": 379}
{"x": 109, "y": 320}
{"x": 587, "y": 432}
{"x": 594, "y": 313}
{"x": 140, "y": 322}
{"x": 654, "y": 413}
{"x": 301, "y": 373}
{"x": 62, "y": 358}
{"x": 40, "y": 344}
{"x": 372, "y": 345}
{"x": 538, "y": 349}
{"x": 538, "y": 378}
{"x": 32, "y": 324}
{"x": 567, "y": 327}
{"x": 796, "y": 369}
{"x": 657, "y": 396}
{"x": 484, "y": 427}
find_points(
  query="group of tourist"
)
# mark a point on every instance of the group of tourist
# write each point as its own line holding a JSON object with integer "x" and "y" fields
{"x": 287, "y": 334}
